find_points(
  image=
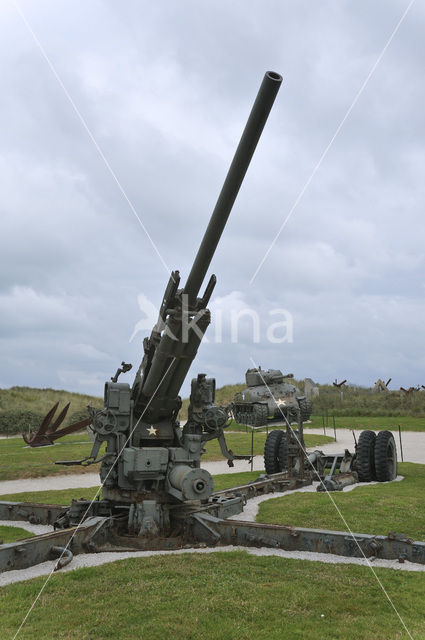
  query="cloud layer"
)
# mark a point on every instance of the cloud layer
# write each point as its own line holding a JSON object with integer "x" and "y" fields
{"x": 165, "y": 89}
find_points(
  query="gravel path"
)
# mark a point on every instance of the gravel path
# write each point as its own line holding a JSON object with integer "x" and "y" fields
{"x": 413, "y": 443}
{"x": 97, "y": 559}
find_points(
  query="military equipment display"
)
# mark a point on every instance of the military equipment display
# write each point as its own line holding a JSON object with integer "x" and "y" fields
{"x": 269, "y": 398}
{"x": 155, "y": 493}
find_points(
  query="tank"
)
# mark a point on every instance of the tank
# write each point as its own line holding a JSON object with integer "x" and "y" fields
{"x": 269, "y": 398}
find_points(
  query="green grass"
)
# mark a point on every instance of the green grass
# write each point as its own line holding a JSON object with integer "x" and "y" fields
{"x": 355, "y": 401}
{"x": 10, "y": 534}
{"x": 222, "y": 596}
{"x": 407, "y": 423}
{"x": 17, "y": 460}
{"x": 240, "y": 443}
{"x": 233, "y": 595}
{"x": 378, "y": 508}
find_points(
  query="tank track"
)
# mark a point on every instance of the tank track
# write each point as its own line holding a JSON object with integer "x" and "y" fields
{"x": 252, "y": 414}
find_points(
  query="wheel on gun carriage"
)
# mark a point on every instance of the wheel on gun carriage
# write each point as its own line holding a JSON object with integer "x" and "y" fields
{"x": 385, "y": 457}
{"x": 366, "y": 456}
{"x": 272, "y": 450}
{"x": 283, "y": 457}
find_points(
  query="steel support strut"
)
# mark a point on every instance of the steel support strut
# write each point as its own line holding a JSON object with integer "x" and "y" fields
{"x": 211, "y": 530}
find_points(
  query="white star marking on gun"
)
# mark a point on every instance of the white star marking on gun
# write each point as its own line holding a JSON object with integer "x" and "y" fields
{"x": 151, "y": 431}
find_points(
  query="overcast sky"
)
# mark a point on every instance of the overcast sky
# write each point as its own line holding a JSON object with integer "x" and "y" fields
{"x": 165, "y": 89}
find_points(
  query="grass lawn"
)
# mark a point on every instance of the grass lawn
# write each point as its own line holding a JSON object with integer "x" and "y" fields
{"x": 17, "y": 460}
{"x": 240, "y": 443}
{"x": 10, "y": 534}
{"x": 378, "y": 508}
{"x": 376, "y": 423}
{"x": 407, "y": 423}
{"x": 222, "y": 596}
{"x": 235, "y": 595}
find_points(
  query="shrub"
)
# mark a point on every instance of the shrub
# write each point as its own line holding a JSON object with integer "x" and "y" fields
{"x": 19, "y": 421}
{"x": 77, "y": 416}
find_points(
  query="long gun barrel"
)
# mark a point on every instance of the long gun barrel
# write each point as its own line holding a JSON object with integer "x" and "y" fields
{"x": 169, "y": 354}
{"x": 247, "y": 145}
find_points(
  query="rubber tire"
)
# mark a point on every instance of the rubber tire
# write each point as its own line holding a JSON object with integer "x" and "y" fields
{"x": 271, "y": 451}
{"x": 283, "y": 460}
{"x": 385, "y": 457}
{"x": 305, "y": 408}
{"x": 366, "y": 456}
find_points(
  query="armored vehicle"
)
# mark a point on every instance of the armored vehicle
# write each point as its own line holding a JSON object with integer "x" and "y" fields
{"x": 269, "y": 398}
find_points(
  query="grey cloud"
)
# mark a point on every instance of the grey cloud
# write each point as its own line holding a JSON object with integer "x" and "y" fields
{"x": 165, "y": 89}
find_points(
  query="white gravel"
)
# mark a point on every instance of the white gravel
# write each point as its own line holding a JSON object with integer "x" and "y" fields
{"x": 97, "y": 559}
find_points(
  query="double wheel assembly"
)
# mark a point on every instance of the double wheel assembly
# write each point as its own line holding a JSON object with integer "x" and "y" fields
{"x": 376, "y": 456}
{"x": 276, "y": 451}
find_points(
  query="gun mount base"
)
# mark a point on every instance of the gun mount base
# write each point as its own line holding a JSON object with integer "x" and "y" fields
{"x": 150, "y": 525}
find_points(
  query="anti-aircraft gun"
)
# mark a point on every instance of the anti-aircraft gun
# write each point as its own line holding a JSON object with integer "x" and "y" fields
{"x": 155, "y": 495}
{"x": 150, "y": 462}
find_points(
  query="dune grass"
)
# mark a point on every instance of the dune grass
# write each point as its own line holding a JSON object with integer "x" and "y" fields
{"x": 41, "y": 400}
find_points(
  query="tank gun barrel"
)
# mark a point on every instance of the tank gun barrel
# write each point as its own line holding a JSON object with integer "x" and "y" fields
{"x": 244, "y": 152}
